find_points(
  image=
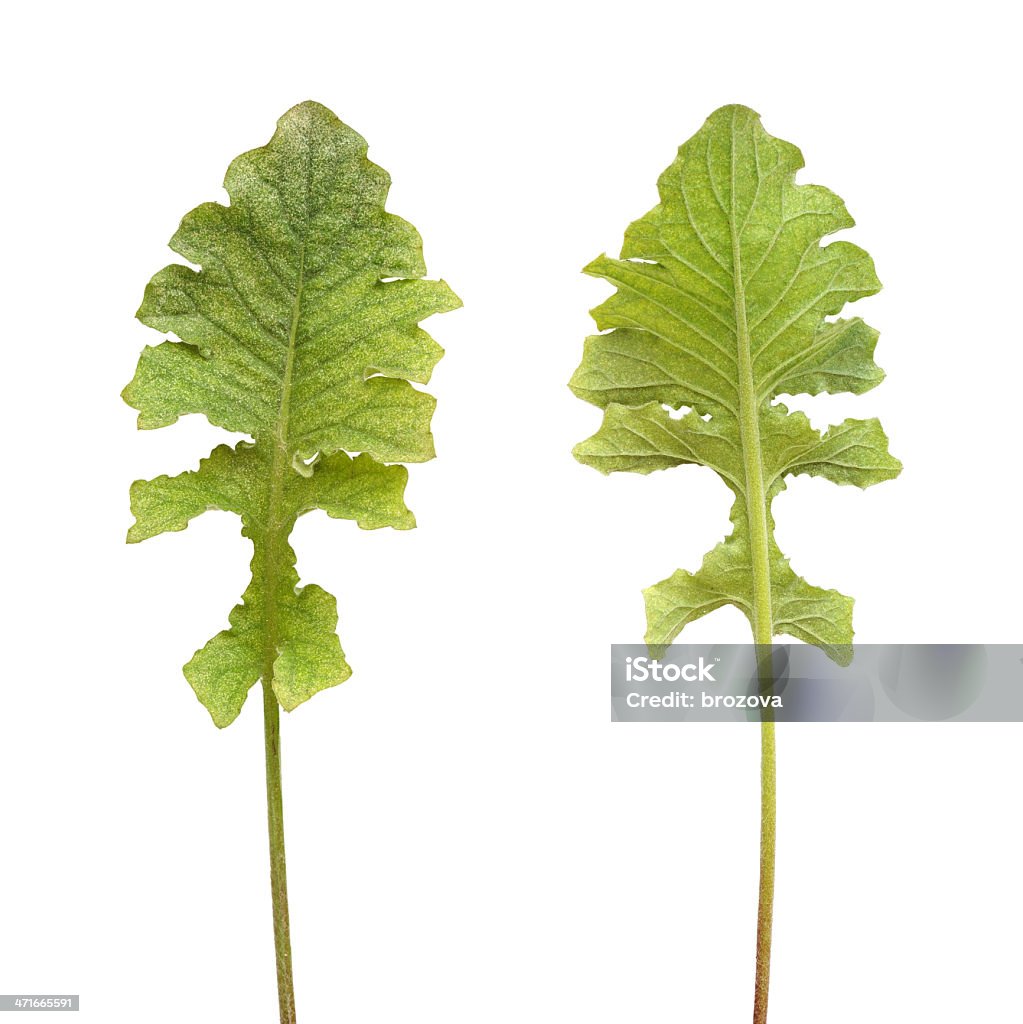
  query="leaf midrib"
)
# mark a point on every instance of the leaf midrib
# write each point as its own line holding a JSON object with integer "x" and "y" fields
{"x": 277, "y": 526}
{"x": 749, "y": 435}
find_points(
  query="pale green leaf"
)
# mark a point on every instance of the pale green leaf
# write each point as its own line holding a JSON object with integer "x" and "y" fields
{"x": 723, "y": 302}
{"x": 301, "y": 329}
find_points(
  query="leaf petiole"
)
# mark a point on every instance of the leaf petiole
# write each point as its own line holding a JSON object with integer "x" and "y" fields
{"x": 278, "y": 862}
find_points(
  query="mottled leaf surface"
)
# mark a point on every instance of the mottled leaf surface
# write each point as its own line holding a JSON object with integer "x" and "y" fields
{"x": 301, "y": 329}
{"x": 726, "y": 299}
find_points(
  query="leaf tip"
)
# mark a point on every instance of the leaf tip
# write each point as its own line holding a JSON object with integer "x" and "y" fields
{"x": 452, "y": 298}
{"x": 595, "y": 267}
{"x": 732, "y": 110}
{"x": 308, "y": 110}
{"x": 220, "y": 720}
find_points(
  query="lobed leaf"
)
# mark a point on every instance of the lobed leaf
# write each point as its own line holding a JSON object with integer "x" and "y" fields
{"x": 301, "y": 329}
{"x": 722, "y": 304}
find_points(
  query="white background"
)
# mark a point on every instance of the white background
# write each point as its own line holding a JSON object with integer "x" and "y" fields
{"x": 469, "y": 839}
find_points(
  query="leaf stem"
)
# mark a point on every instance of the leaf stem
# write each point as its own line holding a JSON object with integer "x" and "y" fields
{"x": 276, "y": 538}
{"x": 765, "y": 910}
{"x": 278, "y": 865}
{"x": 762, "y": 617}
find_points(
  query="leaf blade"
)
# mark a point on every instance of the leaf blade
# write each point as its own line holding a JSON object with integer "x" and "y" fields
{"x": 300, "y": 328}
{"x": 722, "y": 294}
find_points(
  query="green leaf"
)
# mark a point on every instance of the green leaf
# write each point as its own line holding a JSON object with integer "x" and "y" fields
{"x": 723, "y": 300}
{"x": 300, "y": 329}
